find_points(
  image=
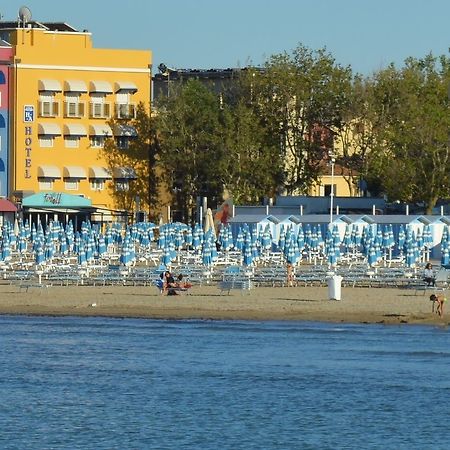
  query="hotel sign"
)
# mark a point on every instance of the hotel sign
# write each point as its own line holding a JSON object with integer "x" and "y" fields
{"x": 28, "y": 141}
{"x": 28, "y": 117}
{"x": 28, "y": 113}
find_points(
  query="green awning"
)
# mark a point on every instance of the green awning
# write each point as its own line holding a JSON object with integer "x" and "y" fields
{"x": 56, "y": 200}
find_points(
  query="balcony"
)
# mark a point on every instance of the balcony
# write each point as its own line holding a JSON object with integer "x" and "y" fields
{"x": 99, "y": 110}
{"x": 74, "y": 109}
{"x": 125, "y": 110}
{"x": 48, "y": 109}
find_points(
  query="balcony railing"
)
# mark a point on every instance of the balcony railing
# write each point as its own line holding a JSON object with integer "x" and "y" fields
{"x": 99, "y": 110}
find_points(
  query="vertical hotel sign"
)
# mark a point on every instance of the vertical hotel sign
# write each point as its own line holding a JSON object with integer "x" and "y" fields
{"x": 28, "y": 118}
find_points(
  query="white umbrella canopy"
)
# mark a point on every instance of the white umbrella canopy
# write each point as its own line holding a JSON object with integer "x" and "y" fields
{"x": 209, "y": 223}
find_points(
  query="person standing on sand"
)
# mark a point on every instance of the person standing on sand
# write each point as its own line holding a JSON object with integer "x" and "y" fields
{"x": 290, "y": 275}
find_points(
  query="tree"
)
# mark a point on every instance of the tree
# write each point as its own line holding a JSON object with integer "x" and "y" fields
{"x": 353, "y": 133}
{"x": 140, "y": 155}
{"x": 254, "y": 161}
{"x": 192, "y": 149}
{"x": 299, "y": 98}
{"x": 411, "y": 155}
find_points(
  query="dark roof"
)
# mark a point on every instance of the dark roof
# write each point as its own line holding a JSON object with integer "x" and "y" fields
{"x": 49, "y": 26}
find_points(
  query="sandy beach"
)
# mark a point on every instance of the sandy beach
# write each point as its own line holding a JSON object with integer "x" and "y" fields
{"x": 358, "y": 305}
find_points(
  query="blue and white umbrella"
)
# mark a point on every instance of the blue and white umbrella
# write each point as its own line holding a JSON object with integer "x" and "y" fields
{"x": 372, "y": 257}
{"x": 6, "y": 249}
{"x": 102, "y": 249}
{"x": 445, "y": 259}
{"x": 239, "y": 244}
{"x": 247, "y": 255}
{"x": 39, "y": 253}
{"x": 206, "y": 254}
{"x": 82, "y": 255}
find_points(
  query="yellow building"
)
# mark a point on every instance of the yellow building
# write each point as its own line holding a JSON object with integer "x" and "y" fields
{"x": 63, "y": 93}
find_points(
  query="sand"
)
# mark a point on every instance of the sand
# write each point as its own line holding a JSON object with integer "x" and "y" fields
{"x": 358, "y": 305}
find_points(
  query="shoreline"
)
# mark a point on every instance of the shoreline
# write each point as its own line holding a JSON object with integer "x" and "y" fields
{"x": 358, "y": 305}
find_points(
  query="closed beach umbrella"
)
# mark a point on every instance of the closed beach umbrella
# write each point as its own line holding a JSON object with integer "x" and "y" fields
{"x": 401, "y": 238}
{"x": 63, "y": 247}
{"x": 206, "y": 254}
{"x": 331, "y": 256}
{"x": 82, "y": 255}
{"x": 22, "y": 246}
{"x": 239, "y": 244}
{"x": 49, "y": 248}
{"x": 166, "y": 259}
{"x": 125, "y": 256}
{"x": 196, "y": 242}
{"x": 372, "y": 257}
{"x": 188, "y": 238}
{"x": 247, "y": 253}
{"x": 6, "y": 249}
{"x": 348, "y": 237}
{"x": 282, "y": 239}
{"x": 445, "y": 259}
{"x": 39, "y": 253}
{"x": 301, "y": 238}
{"x": 102, "y": 249}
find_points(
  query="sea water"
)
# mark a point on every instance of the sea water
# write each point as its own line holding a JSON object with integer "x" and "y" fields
{"x": 97, "y": 383}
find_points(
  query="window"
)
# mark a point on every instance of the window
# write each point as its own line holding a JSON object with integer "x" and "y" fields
{"x": 98, "y": 107}
{"x": 124, "y": 108}
{"x": 71, "y": 141}
{"x": 72, "y": 106}
{"x": 327, "y": 190}
{"x": 97, "y": 141}
{"x": 71, "y": 184}
{"x": 46, "y": 140}
{"x": 122, "y": 185}
{"x": 48, "y": 106}
{"x": 45, "y": 183}
{"x": 97, "y": 184}
{"x": 123, "y": 142}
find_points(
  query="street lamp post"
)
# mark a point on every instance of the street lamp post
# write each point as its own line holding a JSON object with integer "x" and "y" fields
{"x": 332, "y": 162}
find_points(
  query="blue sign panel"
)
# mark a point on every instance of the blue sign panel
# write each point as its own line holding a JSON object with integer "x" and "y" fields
{"x": 28, "y": 113}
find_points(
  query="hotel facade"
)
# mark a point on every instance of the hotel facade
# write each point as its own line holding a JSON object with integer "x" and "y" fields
{"x": 58, "y": 95}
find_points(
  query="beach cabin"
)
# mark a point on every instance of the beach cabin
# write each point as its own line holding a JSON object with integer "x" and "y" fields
{"x": 8, "y": 211}
{"x": 437, "y": 229}
{"x": 342, "y": 223}
{"x": 254, "y": 221}
{"x": 289, "y": 221}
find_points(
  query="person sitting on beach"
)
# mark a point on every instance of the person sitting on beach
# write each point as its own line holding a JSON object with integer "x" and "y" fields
{"x": 439, "y": 300}
{"x": 428, "y": 275}
{"x": 182, "y": 284}
{"x": 169, "y": 284}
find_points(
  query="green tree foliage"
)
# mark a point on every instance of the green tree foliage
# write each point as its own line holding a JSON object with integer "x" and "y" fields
{"x": 353, "y": 134}
{"x": 254, "y": 161}
{"x": 192, "y": 147}
{"x": 140, "y": 156}
{"x": 411, "y": 158}
{"x": 300, "y": 98}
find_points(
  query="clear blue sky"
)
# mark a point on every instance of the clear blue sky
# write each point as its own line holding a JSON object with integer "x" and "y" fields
{"x": 367, "y": 34}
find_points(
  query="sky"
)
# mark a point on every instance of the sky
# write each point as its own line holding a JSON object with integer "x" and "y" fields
{"x": 205, "y": 34}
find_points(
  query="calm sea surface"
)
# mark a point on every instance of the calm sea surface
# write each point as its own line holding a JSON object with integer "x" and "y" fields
{"x": 95, "y": 383}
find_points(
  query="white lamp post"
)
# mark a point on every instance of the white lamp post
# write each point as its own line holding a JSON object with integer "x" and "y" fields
{"x": 332, "y": 161}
